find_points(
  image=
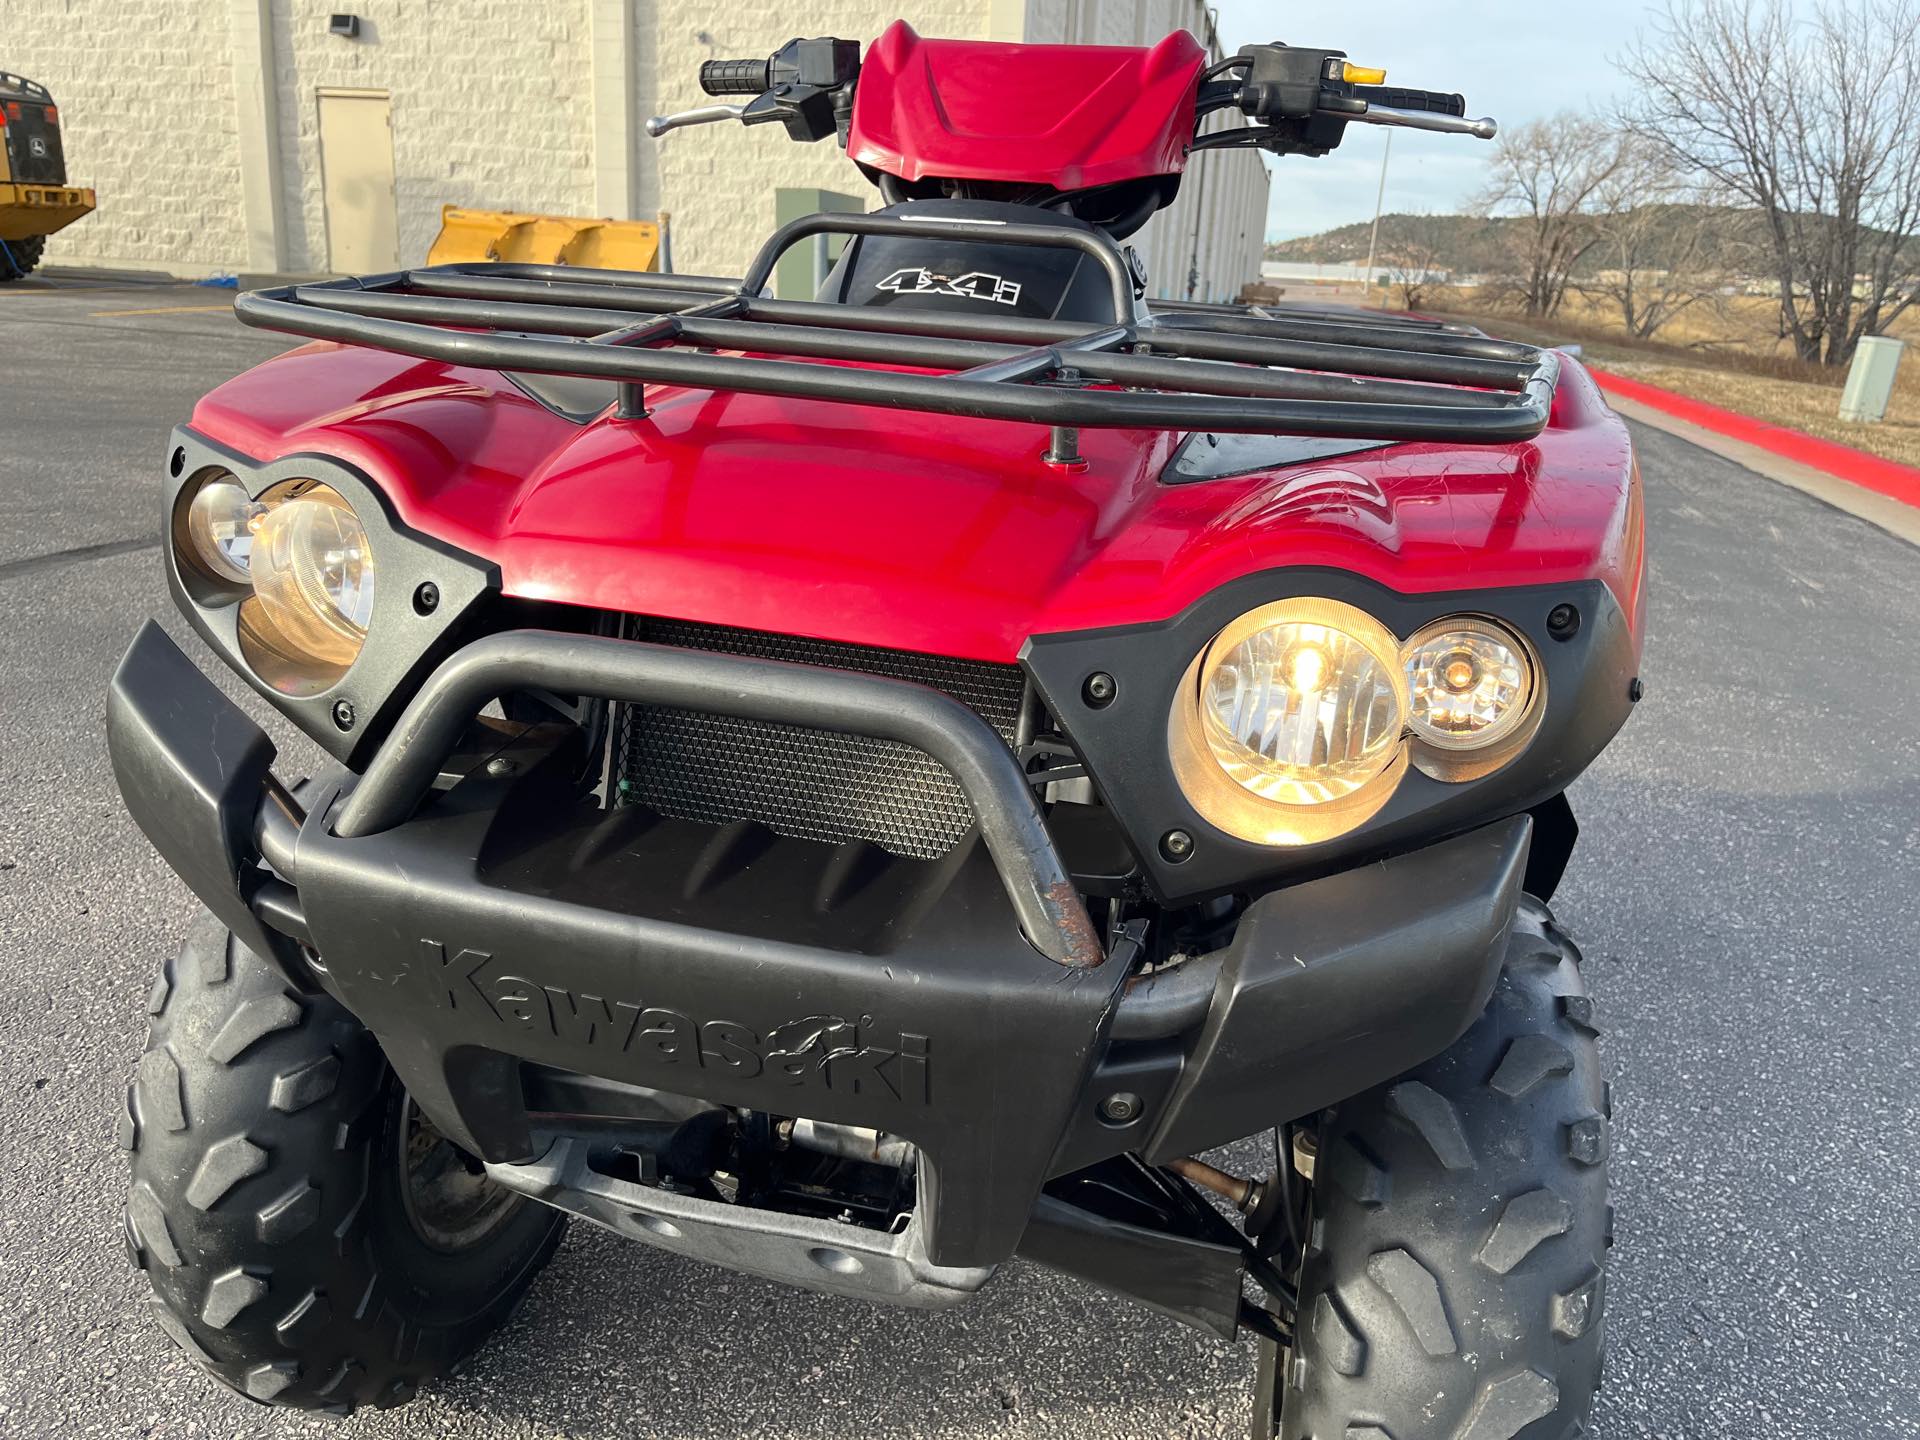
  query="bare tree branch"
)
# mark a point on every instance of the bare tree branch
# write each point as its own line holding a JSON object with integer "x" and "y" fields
{"x": 1415, "y": 251}
{"x": 1660, "y": 250}
{"x": 1548, "y": 173}
{"x": 1806, "y": 116}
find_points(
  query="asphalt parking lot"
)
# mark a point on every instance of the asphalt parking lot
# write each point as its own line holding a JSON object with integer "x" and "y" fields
{"x": 1745, "y": 891}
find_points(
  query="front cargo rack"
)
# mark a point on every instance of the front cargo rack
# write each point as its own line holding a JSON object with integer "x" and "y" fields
{"x": 1181, "y": 367}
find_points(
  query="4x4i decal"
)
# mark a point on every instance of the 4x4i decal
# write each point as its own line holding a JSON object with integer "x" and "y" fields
{"x": 974, "y": 285}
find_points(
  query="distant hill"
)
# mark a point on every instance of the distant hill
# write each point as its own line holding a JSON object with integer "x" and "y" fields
{"x": 1460, "y": 242}
{"x": 1470, "y": 244}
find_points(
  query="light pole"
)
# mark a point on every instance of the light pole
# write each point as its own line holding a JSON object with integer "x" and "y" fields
{"x": 1379, "y": 199}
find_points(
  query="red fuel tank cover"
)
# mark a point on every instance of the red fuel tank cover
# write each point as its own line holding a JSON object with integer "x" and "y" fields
{"x": 1069, "y": 116}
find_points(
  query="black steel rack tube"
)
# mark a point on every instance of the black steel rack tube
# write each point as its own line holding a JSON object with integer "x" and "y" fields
{"x": 1206, "y": 377}
{"x": 1182, "y": 369}
{"x": 1520, "y": 419}
{"x": 1339, "y": 347}
{"x": 1054, "y": 237}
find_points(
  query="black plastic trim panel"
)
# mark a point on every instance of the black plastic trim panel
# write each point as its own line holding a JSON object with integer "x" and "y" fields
{"x": 1124, "y": 743}
{"x": 402, "y": 642}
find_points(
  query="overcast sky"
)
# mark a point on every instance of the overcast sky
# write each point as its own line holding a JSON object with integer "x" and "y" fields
{"x": 1513, "y": 61}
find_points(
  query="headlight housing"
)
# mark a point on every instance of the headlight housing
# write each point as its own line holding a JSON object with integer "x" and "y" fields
{"x": 1299, "y": 720}
{"x": 1290, "y": 726}
{"x": 312, "y": 574}
{"x": 1475, "y": 690}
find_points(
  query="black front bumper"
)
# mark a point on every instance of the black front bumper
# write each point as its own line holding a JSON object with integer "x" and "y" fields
{"x": 506, "y": 919}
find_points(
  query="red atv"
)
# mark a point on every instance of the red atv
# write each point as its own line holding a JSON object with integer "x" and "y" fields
{"x": 857, "y": 790}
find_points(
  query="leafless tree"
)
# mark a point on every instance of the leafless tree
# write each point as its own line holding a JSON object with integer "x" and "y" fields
{"x": 1547, "y": 173}
{"x": 1415, "y": 250}
{"x": 1810, "y": 118}
{"x": 1658, "y": 249}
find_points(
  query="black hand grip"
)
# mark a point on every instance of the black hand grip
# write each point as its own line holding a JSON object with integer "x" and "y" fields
{"x": 1394, "y": 98}
{"x": 736, "y": 77}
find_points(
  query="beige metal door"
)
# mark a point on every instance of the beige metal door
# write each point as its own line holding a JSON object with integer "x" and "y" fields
{"x": 356, "y": 178}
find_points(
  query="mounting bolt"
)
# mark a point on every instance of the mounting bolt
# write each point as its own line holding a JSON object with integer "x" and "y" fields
{"x": 1563, "y": 622}
{"x": 426, "y": 599}
{"x": 1063, "y": 449}
{"x": 1176, "y": 845}
{"x": 1099, "y": 690}
{"x": 500, "y": 767}
{"x": 1635, "y": 690}
{"x": 343, "y": 714}
{"x": 1122, "y": 1107}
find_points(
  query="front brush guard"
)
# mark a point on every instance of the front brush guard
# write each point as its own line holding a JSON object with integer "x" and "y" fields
{"x": 510, "y": 919}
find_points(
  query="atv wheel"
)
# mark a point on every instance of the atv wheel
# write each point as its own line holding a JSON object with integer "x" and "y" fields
{"x": 20, "y": 256}
{"x": 310, "y": 1239}
{"x": 1453, "y": 1279}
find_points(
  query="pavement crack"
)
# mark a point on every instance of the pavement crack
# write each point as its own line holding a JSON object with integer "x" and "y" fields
{"x": 53, "y": 560}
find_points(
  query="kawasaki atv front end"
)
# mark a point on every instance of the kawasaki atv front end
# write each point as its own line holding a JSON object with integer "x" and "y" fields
{"x": 515, "y": 944}
{"x": 857, "y": 791}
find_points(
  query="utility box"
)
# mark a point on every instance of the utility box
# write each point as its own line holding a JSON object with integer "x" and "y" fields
{"x": 1876, "y": 361}
{"x": 803, "y": 269}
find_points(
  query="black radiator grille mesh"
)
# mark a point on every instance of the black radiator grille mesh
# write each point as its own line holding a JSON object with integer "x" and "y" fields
{"x": 812, "y": 784}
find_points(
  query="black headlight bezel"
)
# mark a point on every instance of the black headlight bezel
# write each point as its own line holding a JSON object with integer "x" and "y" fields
{"x": 404, "y": 636}
{"x": 1124, "y": 741}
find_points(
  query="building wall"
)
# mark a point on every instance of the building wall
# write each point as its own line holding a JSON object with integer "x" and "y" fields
{"x": 490, "y": 109}
{"x": 147, "y": 118}
{"x": 718, "y": 180}
{"x": 497, "y": 104}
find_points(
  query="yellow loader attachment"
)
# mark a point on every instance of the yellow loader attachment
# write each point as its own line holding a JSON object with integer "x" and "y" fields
{"x": 27, "y": 211}
{"x": 544, "y": 239}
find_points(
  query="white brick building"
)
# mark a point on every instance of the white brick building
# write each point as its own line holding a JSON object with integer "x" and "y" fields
{"x": 199, "y": 121}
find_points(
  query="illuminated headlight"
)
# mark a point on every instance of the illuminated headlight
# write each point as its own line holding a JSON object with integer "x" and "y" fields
{"x": 220, "y": 525}
{"x": 1300, "y": 719}
{"x": 1291, "y": 726}
{"x": 313, "y": 582}
{"x": 1469, "y": 681}
{"x": 1474, "y": 696}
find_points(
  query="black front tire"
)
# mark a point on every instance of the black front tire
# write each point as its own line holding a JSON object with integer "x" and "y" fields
{"x": 25, "y": 255}
{"x": 1453, "y": 1283}
{"x": 278, "y": 1206}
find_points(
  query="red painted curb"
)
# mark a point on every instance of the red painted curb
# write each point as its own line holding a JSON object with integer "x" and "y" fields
{"x": 1843, "y": 462}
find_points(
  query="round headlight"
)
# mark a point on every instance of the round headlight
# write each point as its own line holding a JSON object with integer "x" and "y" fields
{"x": 313, "y": 575}
{"x": 1290, "y": 727}
{"x": 1469, "y": 684}
{"x": 220, "y": 525}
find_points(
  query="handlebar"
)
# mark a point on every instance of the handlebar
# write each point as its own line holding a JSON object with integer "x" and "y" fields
{"x": 806, "y": 85}
{"x": 704, "y": 115}
{"x": 736, "y": 77}
{"x": 1395, "y": 98}
{"x": 1446, "y": 124}
{"x": 1300, "y": 100}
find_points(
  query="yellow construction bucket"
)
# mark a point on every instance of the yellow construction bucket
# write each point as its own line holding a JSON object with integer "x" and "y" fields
{"x": 544, "y": 239}
{"x": 30, "y": 210}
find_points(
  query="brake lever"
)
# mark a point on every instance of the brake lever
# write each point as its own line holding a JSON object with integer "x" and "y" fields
{"x": 705, "y": 115}
{"x": 1484, "y": 128}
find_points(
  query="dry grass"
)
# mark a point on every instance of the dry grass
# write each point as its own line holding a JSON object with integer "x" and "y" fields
{"x": 1811, "y": 408}
{"x": 1729, "y": 357}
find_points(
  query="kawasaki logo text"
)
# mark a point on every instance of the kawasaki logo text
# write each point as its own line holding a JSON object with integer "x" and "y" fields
{"x": 831, "y": 1052}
